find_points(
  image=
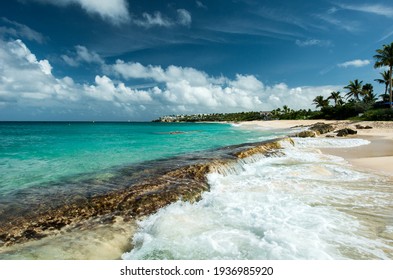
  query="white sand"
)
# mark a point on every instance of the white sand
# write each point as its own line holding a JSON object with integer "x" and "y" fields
{"x": 376, "y": 157}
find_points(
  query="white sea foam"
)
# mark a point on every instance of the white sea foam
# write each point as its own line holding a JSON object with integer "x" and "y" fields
{"x": 329, "y": 142}
{"x": 299, "y": 205}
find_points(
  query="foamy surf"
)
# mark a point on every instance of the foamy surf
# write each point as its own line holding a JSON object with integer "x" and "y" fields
{"x": 300, "y": 204}
{"x": 329, "y": 142}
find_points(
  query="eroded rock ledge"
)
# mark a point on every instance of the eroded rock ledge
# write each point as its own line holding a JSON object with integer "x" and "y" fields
{"x": 184, "y": 180}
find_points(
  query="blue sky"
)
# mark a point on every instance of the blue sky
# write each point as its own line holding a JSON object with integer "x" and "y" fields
{"x": 137, "y": 60}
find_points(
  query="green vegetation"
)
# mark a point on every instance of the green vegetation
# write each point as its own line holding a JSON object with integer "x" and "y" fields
{"x": 384, "y": 57}
{"x": 378, "y": 115}
{"x": 360, "y": 102}
{"x": 229, "y": 117}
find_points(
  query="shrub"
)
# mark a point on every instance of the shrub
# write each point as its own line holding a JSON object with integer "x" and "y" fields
{"x": 378, "y": 115}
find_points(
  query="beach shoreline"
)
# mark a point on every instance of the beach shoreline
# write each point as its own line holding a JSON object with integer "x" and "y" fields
{"x": 376, "y": 157}
{"x": 115, "y": 218}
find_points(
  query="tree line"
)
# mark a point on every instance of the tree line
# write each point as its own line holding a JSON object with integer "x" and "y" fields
{"x": 359, "y": 101}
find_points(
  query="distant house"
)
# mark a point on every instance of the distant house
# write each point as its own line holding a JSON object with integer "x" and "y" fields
{"x": 266, "y": 115}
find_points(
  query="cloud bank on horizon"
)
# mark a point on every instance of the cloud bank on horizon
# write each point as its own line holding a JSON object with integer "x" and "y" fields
{"x": 29, "y": 89}
{"x": 130, "y": 60}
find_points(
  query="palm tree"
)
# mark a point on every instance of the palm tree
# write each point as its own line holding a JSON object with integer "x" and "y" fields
{"x": 286, "y": 109}
{"x": 385, "y": 80}
{"x": 355, "y": 88}
{"x": 336, "y": 97}
{"x": 367, "y": 90}
{"x": 384, "y": 57}
{"x": 320, "y": 102}
{"x": 370, "y": 98}
{"x": 385, "y": 97}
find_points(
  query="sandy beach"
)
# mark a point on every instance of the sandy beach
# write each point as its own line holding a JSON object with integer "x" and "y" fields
{"x": 376, "y": 157}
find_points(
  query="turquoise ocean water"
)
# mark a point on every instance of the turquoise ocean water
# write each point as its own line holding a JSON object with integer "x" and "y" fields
{"x": 41, "y": 154}
{"x": 296, "y": 204}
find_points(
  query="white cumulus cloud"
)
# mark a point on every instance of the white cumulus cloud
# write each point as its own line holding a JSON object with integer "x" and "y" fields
{"x": 354, "y": 63}
{"x": 159, "y": 20}
{"x": 82, "y": 54}
{"x": 29, "y": 90}
{"x": 150, "y": 20}
{"x": 114, "y": 11}
{"x": 135, "y": 70}
{"x": 196, "y": 91}
{"x": 105, "y": 89}
{"x": 19, "y": 49}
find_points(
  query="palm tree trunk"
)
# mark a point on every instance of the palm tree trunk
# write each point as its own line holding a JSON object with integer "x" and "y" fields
{"x": 390, "y": 81}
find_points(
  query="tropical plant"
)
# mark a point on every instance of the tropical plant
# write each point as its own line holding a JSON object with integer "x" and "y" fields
{"x": 368, "y": 94}
{"x": 320, "y": 102}
{"x": 385, "y": 80}
{"x": 385, "y": 97}
{"x": 286, "y": 109}
{"x": 355, "y": 89}
{"x": 378, "y": 115}
{"x": 370, "y": 98}
{"x": 367, "y": 89}
{"x": 384, "y": 57}
{"x": 336, "y": 97}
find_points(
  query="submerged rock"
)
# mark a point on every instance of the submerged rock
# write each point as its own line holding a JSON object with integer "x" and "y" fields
{"x": 176, "y": 132}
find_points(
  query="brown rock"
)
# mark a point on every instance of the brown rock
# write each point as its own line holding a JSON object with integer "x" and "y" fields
{"x": 322, "y": 128}
{"x": 346, "y": 131}
{"x": 306, "y": 133}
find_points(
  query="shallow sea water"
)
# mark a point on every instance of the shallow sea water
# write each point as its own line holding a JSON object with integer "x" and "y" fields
{"x": 295, "y": 204}
{"x": 44, "y": 165}
{"x": 44, "y": 154}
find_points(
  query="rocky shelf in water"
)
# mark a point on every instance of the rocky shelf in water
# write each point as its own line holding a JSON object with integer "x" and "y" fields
{"x": 132, "y": 193}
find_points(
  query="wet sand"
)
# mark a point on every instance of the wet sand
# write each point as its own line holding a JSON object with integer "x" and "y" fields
{"x": 376, "y": 157}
